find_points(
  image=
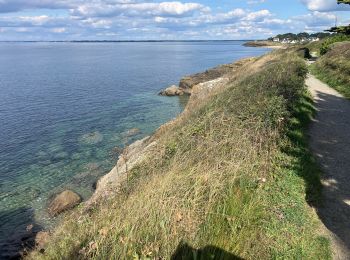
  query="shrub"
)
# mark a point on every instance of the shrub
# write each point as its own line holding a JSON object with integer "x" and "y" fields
{"x": 326, "y": 45}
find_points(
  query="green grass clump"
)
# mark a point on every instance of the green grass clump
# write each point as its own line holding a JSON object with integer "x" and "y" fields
{"x": 327, "y": 44}
{"x": 334, "y": 68}
{"x": 232, "y": 178}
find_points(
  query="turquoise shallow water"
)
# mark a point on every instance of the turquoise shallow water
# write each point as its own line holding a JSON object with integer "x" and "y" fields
{"x": 65, "y": 106}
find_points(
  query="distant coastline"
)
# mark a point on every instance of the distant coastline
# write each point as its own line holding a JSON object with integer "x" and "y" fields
{"x": 264, "y": 44}
{"x": 142, "y": 41}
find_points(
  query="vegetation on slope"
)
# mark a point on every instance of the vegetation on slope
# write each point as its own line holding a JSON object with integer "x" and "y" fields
{"x": 327, "y": 44}
{"x": 334, "y": 68}
{"x": 323, "y": 46}
{"x": 229, "y": 178}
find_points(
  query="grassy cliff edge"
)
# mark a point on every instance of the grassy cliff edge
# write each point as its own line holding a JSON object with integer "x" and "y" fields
{"x": 230, "y": 177}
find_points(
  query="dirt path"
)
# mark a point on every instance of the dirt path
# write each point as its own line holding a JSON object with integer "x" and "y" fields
{"x": 330, "y": 143}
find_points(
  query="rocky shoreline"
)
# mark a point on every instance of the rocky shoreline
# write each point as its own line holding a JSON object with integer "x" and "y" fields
{"x": 189, "y": 83}
{"x": 265, "y": 44}
{"x": 198, "y": 86}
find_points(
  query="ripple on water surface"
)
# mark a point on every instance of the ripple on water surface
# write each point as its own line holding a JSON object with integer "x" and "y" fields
{"x": 64, "y": 107}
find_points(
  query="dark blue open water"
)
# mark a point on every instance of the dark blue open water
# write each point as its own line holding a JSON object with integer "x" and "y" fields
{"x": 65, "y": 106}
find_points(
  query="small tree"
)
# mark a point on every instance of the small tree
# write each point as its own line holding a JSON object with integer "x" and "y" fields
{"x": 341, "y": 29}
{"x": 344, "y": 2}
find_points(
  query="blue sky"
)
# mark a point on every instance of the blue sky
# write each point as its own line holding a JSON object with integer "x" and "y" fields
{"x": 164, "y": 20}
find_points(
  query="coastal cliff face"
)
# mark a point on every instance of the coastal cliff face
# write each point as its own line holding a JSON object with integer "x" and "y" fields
{"x": 201, "y": 86}
{"x": 223, "y": 178}
{"x": 131, "y": 156}
{"x": 200, "y": 80}
{"x": 189, "y": 82}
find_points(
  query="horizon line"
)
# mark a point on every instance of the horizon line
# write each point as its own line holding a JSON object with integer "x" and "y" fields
{"x": 87, "y": 41}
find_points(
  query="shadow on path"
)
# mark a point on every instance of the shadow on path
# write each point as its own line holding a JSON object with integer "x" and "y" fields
{"x": 186, "y": 252}
{"x": 330, "y": 144}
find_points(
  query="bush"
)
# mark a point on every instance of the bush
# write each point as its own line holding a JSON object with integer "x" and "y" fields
{"x": 326, "y": 45}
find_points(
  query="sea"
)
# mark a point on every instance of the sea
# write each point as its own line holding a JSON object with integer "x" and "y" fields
{"x": 67, "y": 108}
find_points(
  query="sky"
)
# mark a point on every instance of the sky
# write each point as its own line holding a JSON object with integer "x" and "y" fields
{"x": 47, "y": 20}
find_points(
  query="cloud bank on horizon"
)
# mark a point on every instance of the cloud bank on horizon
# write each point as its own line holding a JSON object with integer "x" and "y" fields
{"x": 165, "y": 20}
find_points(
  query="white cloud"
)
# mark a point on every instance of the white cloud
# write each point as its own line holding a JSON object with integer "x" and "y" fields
{"x": 259, "y": 15}
{"x": 35, "y": 20}
{"x": 17, "y": 5}
{"x": 315, "y": 21}
{"x": 324, "y": 5}
{"x": 136, "y": 19}
{"x": 99, "y": 9}
{"x": 254, "y": 2}
{"x": 58, "y": 30}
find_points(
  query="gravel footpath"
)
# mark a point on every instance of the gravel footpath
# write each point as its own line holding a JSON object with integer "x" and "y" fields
{"x": 330, "y": 144}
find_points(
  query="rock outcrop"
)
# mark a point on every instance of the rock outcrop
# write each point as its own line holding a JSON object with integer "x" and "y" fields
{"x": 63, "y": 201}
{"x": 189, "y": 82}
{"x": 204, "y": 90}
{"x": 111, "y": 182}
{"x": 41, "y": 240}
{"x": 172, "y": 91}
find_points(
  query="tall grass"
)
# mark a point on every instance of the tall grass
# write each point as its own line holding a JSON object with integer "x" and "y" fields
{"x": 229, "y": 179}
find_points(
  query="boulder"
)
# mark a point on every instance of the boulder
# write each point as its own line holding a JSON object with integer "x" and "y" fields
{"x": 63, "y": 201}
{"x": 172, "y": 91}
{"x": 41, "y": 239}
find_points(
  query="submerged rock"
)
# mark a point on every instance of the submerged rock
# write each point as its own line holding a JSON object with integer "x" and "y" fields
{"x": 63, "y": 201}
{"x": 60, "y": 156}
{"x": 131, "y": 132}
{"x": 91, "y": 138}
{"x": 172, "y": 91}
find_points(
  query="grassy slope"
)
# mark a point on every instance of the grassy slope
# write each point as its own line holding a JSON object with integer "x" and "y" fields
{"x": 334, "y": 68}
{"x": 232, "y": 178}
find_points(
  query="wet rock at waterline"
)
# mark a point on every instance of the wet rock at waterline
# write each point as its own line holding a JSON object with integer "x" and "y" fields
{"x": 41, "y": 240}
{"x": 172, "y": 91}
{"x": 63, "y": 201}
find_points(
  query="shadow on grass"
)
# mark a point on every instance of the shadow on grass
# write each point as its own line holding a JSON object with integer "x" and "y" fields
{"x": 186, "y": 252}
{"x": 328, "y": 138}
{"x": 19, "y": 237}
{"x": 304, "y": 163}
